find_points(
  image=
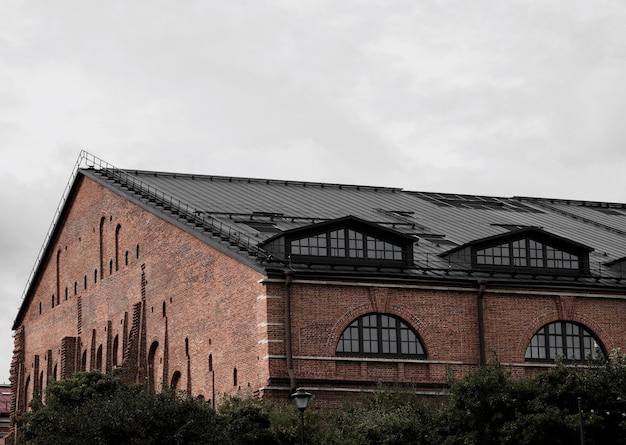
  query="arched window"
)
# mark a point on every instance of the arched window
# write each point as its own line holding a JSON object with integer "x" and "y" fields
{"x": 175, "y": 380}
{"x": 563, "y": 339}
{"x": 99, "y": 358}
{"x": 116, "y": 348}
{"x": 151, "y": 365}
{"x": 381, "y": 335}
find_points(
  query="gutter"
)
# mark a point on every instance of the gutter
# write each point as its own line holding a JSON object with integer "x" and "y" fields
{"x": 482, "y": 285}
{"x": 288, "y": 343}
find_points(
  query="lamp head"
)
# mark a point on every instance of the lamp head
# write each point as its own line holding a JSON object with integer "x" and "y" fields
{"x": 301, "y": 399}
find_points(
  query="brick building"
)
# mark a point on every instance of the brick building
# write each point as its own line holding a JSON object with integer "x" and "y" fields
{"x": 216, "y": 284}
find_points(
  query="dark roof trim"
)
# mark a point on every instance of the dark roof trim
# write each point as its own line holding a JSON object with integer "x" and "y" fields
{"x": 346, "y": 221}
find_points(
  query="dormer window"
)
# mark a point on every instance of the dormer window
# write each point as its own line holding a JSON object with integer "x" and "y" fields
{"x": 527, "y": 253}
{"x": 528, "y": 250}
{"x": 344, "y": 241}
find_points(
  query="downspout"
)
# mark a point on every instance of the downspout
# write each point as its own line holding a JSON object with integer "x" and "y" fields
{"x": 482, "y": 285}
{"x": 288, "y": 346}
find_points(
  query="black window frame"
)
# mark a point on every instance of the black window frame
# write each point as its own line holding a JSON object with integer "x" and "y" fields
{"x": 380, "y": 339}
{"x": 541, "y": 340}
{"x": 347, "y": 244}
{"x": 382, "y": 239}
{"x": 528, "y": 260}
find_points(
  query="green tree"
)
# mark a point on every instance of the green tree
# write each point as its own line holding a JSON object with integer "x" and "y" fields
{"x": 490, "y": 407}
{"x": 244, "y": 421}
{"x": 94, "y": 408}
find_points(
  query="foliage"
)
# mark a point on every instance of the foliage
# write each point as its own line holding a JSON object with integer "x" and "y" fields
{"x": 488, "y": 406}
{"x": 244, "y": 421}
{"x": 94, "y": 408}
{"x": 491, "y": 407}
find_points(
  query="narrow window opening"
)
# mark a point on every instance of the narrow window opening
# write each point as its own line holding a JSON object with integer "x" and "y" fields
{"x": 99, "y": 358}
{"x": 102, "y": 220}
{"x": 137, "y": 251}
{"x": 164, "y": 314}
{"x": 116, "y": 346}
{"x": 58, "y": 276}
{"x": 175, "y": 381}
{"x": 235, "y": 377}
{"x": 117, "y": 247}
{"x": 151, "y": 365}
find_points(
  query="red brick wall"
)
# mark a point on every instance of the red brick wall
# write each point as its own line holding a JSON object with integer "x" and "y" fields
{"x": 209, "y": 299}
{"x": 445, "y": 319}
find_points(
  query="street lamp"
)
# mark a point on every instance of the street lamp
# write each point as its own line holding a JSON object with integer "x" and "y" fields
{"x": 301, "y": 399}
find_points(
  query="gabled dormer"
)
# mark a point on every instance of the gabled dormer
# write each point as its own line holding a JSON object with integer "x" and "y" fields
{"x": 526, "y": 250}
{"x": 349, "y": 240}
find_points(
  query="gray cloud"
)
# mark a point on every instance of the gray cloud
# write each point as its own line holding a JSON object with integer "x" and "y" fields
{"x": 484, "y": 97}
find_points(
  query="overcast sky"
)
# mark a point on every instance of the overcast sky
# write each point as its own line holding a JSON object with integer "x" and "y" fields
{"x": 482, "y": 97}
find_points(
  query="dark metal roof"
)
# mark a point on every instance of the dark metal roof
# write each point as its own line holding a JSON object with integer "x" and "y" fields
{"x": 437, "y": 221}
{"x": 218, "y": 210}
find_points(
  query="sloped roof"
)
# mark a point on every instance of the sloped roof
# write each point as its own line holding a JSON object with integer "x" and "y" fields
{"x": 232, "y": 212}
{"x": 438, "y": 222}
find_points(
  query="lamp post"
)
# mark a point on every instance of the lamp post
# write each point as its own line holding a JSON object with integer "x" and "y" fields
{"x": 580, "y": 420}
{"x": 301, "y": 399}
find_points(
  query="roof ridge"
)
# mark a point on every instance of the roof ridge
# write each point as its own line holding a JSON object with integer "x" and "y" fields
{"x": 244, "y": 179}
{"x": 579, "y": 202}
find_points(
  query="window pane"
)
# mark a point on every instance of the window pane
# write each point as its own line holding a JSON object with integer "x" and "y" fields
{"x": 382, "y": 250}
{"x": 349, "y": 341}
{"x": 497, "y": 255}
{"x": 536, "y": 349}
{"x": 519, "y": 253}
{"x": 535, "y": 253}
{"x": 389, "y": 334}
{"x": 355, "y": 244}
{"x": 337, "y": 243}
{"x": 310, "y": 246}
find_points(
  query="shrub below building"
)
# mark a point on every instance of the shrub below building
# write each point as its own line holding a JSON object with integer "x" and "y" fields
{"x": 486, "y": 407}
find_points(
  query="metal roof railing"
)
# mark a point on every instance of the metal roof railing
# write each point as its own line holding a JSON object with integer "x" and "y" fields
{"x": 188, "y": 213}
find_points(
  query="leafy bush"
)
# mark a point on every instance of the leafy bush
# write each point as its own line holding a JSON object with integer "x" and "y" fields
{"x": 486, "y": 407}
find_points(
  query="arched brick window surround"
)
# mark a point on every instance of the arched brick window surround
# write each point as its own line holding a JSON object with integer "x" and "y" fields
{"x": 378, "y": 334}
